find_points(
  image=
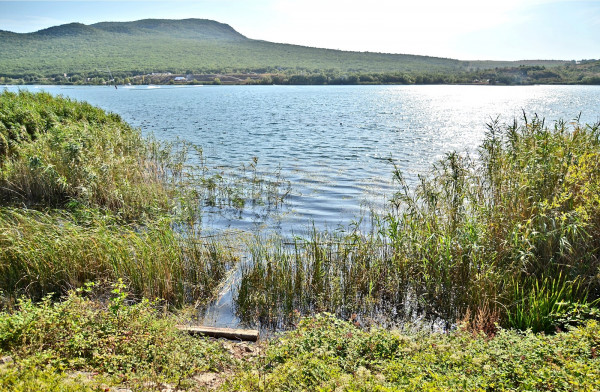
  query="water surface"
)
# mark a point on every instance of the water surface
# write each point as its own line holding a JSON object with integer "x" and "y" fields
{"x": 331, "y": 142}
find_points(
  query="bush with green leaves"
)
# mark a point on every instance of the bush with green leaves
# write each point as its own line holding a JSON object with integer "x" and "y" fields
{"x": 326, "y": 354}
{"x": 127, "y": 343}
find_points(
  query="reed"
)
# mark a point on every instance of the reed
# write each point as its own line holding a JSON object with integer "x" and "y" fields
{"x": 341, "y": 272}
{"x": 84, "y": 197}
{"x": 54, "y": 151}
{"x": 475, "y": 236}
{"x": 523, "y": 214}
{"x": 45, "y": 252}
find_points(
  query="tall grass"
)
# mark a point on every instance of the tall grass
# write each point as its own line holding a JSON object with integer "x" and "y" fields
{"x": 54, "y": 150}
{"x": 84, "y": 196}
{"x": 524, "y": 212}
{"x": 325, "y": 272}
{"x": 50, "y": 252}
{"x": 537, "y": 303}
{"x": 476, "y": 235}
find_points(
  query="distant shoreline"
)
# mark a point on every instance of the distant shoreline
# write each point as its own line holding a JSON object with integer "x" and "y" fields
{"x": 240, "y": 79}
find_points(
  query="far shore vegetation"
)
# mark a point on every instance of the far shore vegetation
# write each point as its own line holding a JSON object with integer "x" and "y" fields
{"x": 103, "y": 252}
{"x": 582, "y": 73}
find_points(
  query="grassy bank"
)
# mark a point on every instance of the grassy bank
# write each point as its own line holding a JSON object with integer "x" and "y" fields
{"x": 46, "y": 252}
{"x": 86, "y": 198}
{"x": 55, "y": 152}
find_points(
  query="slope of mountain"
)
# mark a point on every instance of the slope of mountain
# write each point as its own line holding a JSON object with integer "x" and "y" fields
{"x": 197, "y": 45}
{"x": 193, "y": 46}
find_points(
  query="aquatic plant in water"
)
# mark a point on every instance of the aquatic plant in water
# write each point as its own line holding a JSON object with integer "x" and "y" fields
{"x": 476, "y": 237}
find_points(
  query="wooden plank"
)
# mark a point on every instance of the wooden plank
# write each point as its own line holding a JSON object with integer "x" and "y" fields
{"x": 250, "y": 335}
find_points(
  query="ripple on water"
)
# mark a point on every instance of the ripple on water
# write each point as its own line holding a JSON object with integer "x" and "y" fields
{"x": 333, "y": 143}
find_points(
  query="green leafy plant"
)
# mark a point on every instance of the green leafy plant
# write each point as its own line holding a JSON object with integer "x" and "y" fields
{"x": 538, "y": 304}
{"x": 132, "y": 344}
{"x": 324, "y": 353}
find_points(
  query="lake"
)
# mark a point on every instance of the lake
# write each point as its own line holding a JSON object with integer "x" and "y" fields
{"x": 332, "y": 143}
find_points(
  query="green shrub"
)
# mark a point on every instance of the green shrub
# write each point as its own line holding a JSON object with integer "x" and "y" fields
{"x": 325, "y": 354}
{"x": 129, "y": 343}
{"x": 30, "y": 376}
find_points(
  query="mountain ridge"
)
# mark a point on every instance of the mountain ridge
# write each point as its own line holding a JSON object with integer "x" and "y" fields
{"x": 212, "y": 29}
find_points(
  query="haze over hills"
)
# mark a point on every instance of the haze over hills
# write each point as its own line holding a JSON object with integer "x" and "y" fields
{"x": 198, "y": 46}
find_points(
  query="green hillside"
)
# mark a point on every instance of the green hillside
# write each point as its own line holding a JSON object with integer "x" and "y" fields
{"x": 192, "y": 46}
{"x": 210, "y": 51}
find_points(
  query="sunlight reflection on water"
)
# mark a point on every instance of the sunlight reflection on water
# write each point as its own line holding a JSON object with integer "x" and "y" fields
{"x": 332, "y": 142}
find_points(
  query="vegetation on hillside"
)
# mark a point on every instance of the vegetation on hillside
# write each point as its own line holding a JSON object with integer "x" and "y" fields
{"x": 144, "y": 51}
{"x": 187, "y": 46}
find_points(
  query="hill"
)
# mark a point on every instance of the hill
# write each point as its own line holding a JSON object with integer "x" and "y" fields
{"x": 200, "y": 46}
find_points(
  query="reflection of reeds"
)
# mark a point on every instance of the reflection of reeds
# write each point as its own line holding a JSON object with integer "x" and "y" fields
{"x": 476, "y": 235}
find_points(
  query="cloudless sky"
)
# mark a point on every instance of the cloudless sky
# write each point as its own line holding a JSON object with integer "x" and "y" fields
{"x": 463, "y": 29}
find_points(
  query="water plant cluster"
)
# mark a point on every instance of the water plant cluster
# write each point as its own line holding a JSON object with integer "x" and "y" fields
{"x": 508, "y": 237}
{"x": 60, "y": 153}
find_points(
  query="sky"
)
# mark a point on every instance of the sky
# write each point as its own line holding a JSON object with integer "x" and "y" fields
{"x": 460, "y": 29}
